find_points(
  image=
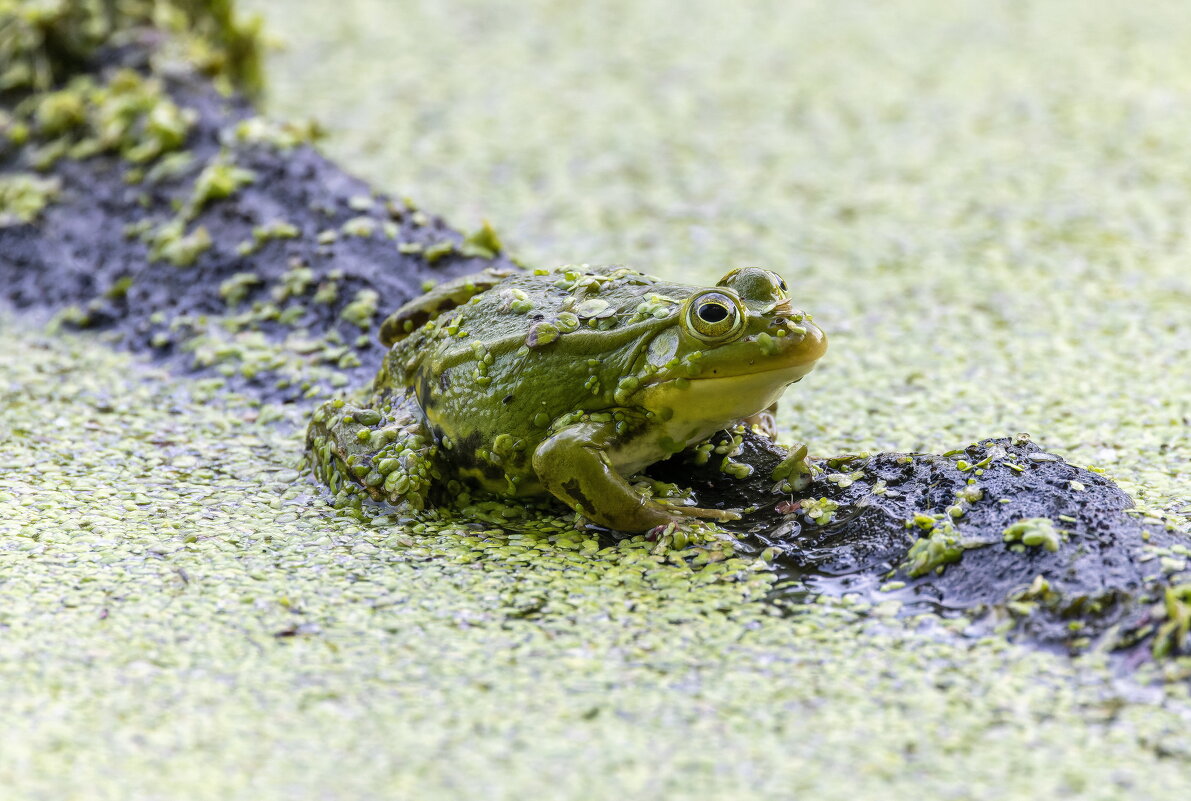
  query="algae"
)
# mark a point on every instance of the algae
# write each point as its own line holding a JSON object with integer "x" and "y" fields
{"x": 23, "y": 196}
{"x": 43, "y": 42}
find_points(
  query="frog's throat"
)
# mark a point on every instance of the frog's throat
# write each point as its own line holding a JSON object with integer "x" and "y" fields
{"x": 719, "y": 400}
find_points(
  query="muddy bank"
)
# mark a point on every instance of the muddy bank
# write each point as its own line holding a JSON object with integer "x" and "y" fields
{"x": 1002, "y": 532}
{"x": 142, "y": 199}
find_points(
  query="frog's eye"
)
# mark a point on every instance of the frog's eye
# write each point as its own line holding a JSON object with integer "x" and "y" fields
{"x": 714, "y": 316}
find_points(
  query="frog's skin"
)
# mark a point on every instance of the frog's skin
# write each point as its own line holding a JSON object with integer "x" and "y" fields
{"x": 564, "y": 382}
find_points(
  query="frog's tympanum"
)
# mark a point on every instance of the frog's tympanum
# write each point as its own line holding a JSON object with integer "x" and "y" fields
{"x": 564, "y": 382}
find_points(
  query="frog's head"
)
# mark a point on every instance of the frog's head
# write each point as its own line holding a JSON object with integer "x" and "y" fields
{"x": 734, "y": 349}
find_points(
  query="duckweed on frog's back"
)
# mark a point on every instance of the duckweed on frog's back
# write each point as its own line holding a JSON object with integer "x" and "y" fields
{"x": 563, "y": 382}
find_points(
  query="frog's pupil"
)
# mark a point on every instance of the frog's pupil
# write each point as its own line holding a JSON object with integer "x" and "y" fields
{"x": 712, "y": 312}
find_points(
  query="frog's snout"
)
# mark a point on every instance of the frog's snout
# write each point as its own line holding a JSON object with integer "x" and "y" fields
{"x": 807, "y": 342}
{"x": 814, "y": 340}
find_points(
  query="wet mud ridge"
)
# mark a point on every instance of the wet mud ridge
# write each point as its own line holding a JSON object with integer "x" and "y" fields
{"x": 1002, "y": 532}
{"x": 223, "y": 244}
{"x": 144, "y": 205}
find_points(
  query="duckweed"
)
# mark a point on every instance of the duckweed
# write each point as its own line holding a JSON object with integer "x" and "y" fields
{"x": 169, "y": 572}
{"x": 362, "y": 309}
{"x": 483, "y": 243}
{"x": 1034, "y": 532}
{"x": 264, "y": 640}
{"x": 23, "y": 196}
{"x": 45, "y": 41}
{"x": 217, "y": 181}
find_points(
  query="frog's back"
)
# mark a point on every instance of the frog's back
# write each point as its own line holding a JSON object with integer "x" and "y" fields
{"x": 495, "y": 375}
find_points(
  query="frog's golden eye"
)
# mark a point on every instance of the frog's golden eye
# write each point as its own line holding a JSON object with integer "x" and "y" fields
{"x": 714, "y": 316}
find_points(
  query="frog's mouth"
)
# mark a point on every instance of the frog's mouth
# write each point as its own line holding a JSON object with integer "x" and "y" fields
{"x": 797, "y": 352}
{"x": 737, "y": 388}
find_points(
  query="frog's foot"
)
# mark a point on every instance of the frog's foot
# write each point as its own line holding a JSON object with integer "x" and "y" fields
{"x": 678, "y": 500}
{"x": 718, "y": 515}
{"x": 358, "y": 451}
{"x": 764, "y": 421}
{"x": 574, "y": 466}
{"x": 679, "y": 535}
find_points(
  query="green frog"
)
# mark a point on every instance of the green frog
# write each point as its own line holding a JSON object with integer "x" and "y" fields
{"x": 565, "y": 381}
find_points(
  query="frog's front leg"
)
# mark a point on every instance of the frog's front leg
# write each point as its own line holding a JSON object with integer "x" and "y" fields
{"x": 573, "y": 464}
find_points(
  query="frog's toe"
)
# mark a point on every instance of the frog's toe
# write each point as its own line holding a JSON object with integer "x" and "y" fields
{"x": 764, "y": 421}
{"x": 718, "y": 515}
{"x": 658, "y": 532}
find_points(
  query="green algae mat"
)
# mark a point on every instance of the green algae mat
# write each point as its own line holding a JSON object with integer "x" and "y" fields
{"x": 985, "y": 208}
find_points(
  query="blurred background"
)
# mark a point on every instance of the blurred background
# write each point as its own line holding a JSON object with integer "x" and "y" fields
{"x": 985, "y": 205}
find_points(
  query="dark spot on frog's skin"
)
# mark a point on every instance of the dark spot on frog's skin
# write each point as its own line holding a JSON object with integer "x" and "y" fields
{"x": 425, "y": 391}
{"x": 575, "y": 492}
{"x": 463, "y": 454}
{"x": 444, "y": 381}
{"x": 436, "y": 434}
{"x": 631, "y": 431}
{"x": 507, "y": 399}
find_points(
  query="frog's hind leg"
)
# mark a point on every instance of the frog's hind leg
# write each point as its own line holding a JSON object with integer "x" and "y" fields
{"x": 442, "y": 298}
{"x": 382, "y": 455}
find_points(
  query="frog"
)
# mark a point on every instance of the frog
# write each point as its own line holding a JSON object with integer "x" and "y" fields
{"x": 564, "y": 382}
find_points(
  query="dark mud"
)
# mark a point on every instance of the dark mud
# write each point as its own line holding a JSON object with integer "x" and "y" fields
{"x": 892, "y": 536}
{"x": 81, "y": 255}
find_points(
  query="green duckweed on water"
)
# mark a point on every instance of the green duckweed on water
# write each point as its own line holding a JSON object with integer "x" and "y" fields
{"x": 183, "y": 617}
{"x": 985, "y": 207}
